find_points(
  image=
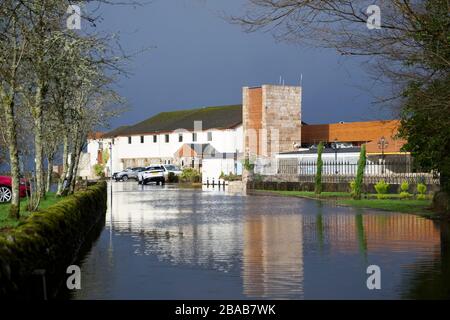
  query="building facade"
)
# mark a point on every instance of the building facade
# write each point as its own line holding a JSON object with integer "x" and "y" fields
{"x": 215, "y": 140}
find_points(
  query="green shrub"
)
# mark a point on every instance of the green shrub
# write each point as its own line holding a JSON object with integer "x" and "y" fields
{"x": 172, "y": 178}
{"x": 231, "y": 177}
{"x": 247, "y": 165}
{"x": 382, "y": 189}
{"x": 404, "y": 187}
{"x": 421, "y": 190}
{"x": 360, "y": 174}
{"x": 318, "y": 181}
{"x": 352, "y": 188}
{"x": 99, "y": 170}
{"x": 190, "y": 175}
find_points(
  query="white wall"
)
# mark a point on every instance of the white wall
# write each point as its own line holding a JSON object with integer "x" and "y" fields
{"x": 224, "y": 141}
{"x": 212, "y": 168}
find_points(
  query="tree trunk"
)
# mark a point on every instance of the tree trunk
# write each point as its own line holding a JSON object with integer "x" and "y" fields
{"x": 75, "y": 172}
{"x": 38, "y": 146}
{"x": 11, "y": 133}
{"x": 73, "y": 154}
{"x": 49, "y": 172}
{"x": 78, "y": 149}
{"x": 441, "y": 199}
{"x": 65, "y": 162}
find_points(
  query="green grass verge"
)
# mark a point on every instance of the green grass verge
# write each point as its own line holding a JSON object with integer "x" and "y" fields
{"x": 392, "y": 202}
{"x": 404, "y": 206}
{"x": 6, "y": 222}
{"x": 310, "y": 194}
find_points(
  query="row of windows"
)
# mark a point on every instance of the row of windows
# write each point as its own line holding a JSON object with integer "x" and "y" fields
{"x": 167, "y": 138}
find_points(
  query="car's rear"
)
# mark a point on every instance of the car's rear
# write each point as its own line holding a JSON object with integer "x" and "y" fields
{"x": 170, "y": 168}
{"x": 152, "y": 174}
{"x": 5, "y": 188}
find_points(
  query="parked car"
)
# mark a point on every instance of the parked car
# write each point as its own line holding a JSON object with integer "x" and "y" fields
{"x": 171, "y": 168}
{"x": 152, "y": 174}
{"x": 130, "y": 173}
{"x": 5, "y": 188}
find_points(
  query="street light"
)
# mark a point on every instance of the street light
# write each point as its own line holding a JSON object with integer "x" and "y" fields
{"x": 382, "y": 144}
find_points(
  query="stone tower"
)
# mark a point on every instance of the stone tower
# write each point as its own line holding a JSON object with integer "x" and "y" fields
{"x": 271, "y": 120}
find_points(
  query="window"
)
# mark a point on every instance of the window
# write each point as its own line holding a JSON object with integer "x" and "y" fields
{"x": 167, "y": 138}
{"x": 180, "y": 137}
{"x": 194, "y": 136}
{"x": 142, "y": 139}
{"x": 209, "y": 136}
{"x": 155, "y": 138}
{"x": 129, "y": 140}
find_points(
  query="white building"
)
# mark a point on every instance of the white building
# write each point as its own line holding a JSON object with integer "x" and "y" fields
{"x": 210, "y": 139}
{"x": 185, "y": 138}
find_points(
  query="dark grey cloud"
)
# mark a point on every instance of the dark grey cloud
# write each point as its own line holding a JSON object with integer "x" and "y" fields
{"x": 199, "y": 59}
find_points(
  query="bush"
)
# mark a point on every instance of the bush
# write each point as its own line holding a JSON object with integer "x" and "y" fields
{"x": 421, "y": 190}
{"x": 353, "y": 188}
{"x": 360, "y": 174}
{"x": 172, "y": 178}
{"x": 99, "y": 170}
{"x": 190, "y": 175}
{"x": 230, "y": 177}
{"x": 382, "y": 189}
{"x": 318, "y": 181}
{"x": 404, "y": 187}
{"x": 247, "y": 165}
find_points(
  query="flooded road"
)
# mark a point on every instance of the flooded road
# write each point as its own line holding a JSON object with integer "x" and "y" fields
{"x": 170, "y": 243}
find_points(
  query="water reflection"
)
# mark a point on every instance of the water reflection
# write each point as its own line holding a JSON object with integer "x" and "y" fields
{"x": 169, "y": 243}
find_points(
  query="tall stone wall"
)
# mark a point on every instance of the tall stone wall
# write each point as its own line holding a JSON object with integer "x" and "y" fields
{"x": 281, "y": 118}
{"x": 271, "y": 120}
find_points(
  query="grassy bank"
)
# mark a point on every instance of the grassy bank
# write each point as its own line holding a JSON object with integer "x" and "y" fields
{"x": 49, "y": 240}
{"x": 404, "y": 206}
{"x": 391, "y": 203}
{"x": 6, "y": 222}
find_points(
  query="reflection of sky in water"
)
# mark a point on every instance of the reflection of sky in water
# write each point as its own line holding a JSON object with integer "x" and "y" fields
{"x": 168, "y": 243}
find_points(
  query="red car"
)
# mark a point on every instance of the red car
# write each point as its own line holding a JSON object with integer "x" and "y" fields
{"x": 5, "y": 188}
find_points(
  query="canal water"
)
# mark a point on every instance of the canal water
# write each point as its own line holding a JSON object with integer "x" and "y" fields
{"x": 171, "y": 243}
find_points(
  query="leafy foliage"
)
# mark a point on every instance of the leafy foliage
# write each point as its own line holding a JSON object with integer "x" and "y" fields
{"x": 382, "y": 189}
{"x": 404, "y": 188}
{"x": 318, "y": 180}
{"x": 421, "y": 190}
{"x": 99, "y": 169}
{"x": 190, "y": 175}
{"x": 357, "y": 189}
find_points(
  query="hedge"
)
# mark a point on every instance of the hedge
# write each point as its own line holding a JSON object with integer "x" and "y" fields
{"x": 49, "y": 240}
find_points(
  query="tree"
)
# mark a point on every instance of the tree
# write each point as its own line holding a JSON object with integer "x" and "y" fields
{"x": 12, "y": 49}
{"x": 59, "y": 80}
{"x": 357, "y": 190}
{"x": 318, "y": 184}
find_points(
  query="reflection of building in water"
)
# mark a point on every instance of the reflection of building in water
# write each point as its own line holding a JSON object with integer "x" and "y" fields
{"x": 373, "y": 232}
{"x": 273, "y": 255}
{"x": 180, "y": 232}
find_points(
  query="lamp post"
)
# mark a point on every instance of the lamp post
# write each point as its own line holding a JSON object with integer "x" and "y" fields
{"x": 382, "y": 144}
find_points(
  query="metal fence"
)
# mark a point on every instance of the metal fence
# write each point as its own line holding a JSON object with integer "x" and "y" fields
{"x": 393, "y": 172}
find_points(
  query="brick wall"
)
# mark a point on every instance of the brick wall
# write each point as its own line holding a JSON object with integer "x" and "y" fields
{"x": 368, "y": 132}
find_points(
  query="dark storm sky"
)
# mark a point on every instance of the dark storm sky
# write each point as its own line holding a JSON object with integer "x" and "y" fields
{"x": 199, "y": 59}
